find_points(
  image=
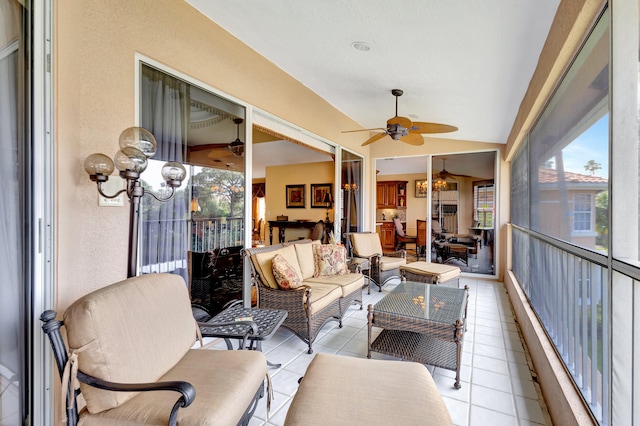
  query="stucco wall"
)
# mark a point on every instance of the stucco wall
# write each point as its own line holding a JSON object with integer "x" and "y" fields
{"x": 94, "y": 67}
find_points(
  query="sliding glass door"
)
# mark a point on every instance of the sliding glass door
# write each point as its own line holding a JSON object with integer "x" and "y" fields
{"x": 200, "y": 233}
{"x": 13, "y": 283}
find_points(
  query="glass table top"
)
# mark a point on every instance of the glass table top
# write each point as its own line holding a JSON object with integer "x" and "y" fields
{"x": 424, "y": 301}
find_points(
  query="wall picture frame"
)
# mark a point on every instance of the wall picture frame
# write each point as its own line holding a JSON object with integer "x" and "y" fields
{"x": 295, "y": 197}
{"x": 422, "y": 188}
{"x": 318, "y": 191}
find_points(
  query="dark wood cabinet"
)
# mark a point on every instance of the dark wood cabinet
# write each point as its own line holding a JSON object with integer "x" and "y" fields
{"x": 391, "y": 194}
{"x": 387, "y": 233}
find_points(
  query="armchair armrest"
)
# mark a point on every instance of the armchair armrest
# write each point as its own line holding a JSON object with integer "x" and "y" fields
{"x": 276, "y": 298}
{"x": 186, "y": 390}
{"x": 398, "y": 253}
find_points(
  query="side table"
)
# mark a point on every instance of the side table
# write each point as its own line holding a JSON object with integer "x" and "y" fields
{"x": 267, "y": 321}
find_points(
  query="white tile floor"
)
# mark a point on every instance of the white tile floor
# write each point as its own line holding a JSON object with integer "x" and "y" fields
{"x": 497, "y": 385}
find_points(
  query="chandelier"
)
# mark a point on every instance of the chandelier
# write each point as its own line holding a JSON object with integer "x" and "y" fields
{"x": 440, "y": 185}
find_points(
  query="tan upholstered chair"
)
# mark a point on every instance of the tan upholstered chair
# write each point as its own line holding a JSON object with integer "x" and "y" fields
{"x": 133, "y": 338}
{"x": 366, "y": 247}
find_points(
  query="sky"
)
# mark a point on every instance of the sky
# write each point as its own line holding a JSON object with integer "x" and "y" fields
{"x": 593, "y": 144}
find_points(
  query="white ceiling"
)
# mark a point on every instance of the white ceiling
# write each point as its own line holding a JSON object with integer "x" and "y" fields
{"x": 464, "y": 63}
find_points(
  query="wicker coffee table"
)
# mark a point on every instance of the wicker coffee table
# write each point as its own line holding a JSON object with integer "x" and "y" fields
{"x": 423, "y": 323}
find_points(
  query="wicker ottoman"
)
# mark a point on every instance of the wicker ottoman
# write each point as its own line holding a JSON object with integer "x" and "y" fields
{"x": 345, "y": 391}
{"x": 431, "y": 273}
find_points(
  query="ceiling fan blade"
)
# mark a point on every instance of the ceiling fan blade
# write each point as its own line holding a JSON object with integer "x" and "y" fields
{"x": 219, "y": 153}
{"x": 374, "y": 138}
{"x": 413, "y": 139}
{"x": 422, "y": 127}
{"x": 363, "y": 130}
{"x": 403, "y": 121}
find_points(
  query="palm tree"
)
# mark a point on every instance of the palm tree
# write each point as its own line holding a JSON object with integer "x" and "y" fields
{"x": 592, "y": 166}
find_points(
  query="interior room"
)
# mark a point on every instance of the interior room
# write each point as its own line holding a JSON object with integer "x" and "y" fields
{"x": 431, "y": 205}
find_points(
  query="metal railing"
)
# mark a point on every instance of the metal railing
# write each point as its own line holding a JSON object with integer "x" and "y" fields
{"x": 164, "y": 243}
{"x": 570, "y": 295}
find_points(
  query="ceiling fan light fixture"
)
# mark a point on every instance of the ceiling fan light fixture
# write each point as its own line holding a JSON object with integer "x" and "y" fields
{"x": 237, "y": 146}
{"x": 361, "y": 46}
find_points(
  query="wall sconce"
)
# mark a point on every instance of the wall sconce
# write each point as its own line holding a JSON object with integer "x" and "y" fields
{"x": 328, "y": 200}
{"x": 136, "y": 146}
{"x": 350, "y": 187}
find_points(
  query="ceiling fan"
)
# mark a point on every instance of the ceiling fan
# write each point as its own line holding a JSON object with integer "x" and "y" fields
{"x": 403, "y": 129}
{"x": 444, "y": 174}
{"x": 217, "y": 150}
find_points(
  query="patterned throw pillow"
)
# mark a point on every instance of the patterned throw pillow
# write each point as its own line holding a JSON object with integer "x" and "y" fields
{"x": 286, "y": 277}
{"x": 329, "y": 259}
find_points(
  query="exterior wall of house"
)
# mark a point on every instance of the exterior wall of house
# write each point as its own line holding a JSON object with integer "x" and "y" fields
{"x": 94, "y": 71}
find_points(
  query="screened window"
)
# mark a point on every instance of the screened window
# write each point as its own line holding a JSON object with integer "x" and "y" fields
{"x": 582, "y": 212}
{"x": 483, "y": 205}
{"x": 569, "y": 150}
{"x": 559, "y": 188}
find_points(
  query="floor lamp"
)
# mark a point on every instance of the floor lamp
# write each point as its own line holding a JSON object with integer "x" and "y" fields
{"x": 136, "y": 146}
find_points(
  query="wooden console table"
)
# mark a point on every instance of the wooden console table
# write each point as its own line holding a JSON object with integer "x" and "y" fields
{"x": 283, "y": 225}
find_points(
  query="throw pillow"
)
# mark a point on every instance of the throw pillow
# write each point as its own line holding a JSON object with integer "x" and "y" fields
{"x": 329, "y": 259}
{"x": 286, "y": 277}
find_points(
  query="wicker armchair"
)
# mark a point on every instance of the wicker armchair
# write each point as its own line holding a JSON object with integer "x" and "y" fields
{"x": 366, "y": 246}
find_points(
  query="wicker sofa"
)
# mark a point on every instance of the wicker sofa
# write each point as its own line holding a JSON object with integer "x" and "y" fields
{"x": 365, "y": 248}
{"x": 133, "y": 338}
{"x": 318, "y": 300}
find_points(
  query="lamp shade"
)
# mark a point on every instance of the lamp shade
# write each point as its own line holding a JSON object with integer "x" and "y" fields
{"x": 139, "y": 138}
{"x": 130, "y": 159}
{"x": 98, "y": 164}
{"x": 173, "y": 171}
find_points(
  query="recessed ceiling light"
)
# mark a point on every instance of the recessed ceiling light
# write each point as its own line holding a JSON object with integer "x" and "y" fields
{"x": 361, "y": 46}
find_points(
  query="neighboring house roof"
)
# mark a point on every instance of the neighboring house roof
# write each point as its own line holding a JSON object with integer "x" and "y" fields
{"x": 550, "y": 176}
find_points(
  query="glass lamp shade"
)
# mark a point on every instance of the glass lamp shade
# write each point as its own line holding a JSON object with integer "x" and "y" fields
{"x": 98, "y": 164}
{"x": 139, "y": 138}
{"x": 131, "y": 159}
{"x": 173, "y": 172}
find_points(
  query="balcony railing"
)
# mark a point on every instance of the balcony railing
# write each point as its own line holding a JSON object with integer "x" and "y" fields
{"x": 165, "y": 243}
{"x": 570, "y": 296}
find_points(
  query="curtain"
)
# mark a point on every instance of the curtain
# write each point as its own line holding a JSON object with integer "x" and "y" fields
{"x": 163, "y": 242}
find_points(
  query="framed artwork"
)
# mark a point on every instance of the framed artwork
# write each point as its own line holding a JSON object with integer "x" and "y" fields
{"x": 318, "y": 191}
{"x": 422, "y": 188}
{"x": 295, "y": 196}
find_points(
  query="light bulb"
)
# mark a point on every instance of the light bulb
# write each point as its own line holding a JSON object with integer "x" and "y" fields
{"x": 173, "y": 171}
{"x": 131, "y": 159}
{"x": 139, "y": 138}
{"x": 98, "y": 164}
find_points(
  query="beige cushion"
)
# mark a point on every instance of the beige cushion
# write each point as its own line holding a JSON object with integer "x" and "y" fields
{"x": 225, "y": 383}
{"x": 329, "y": 259}
{"x": 322, "y": 294}
{"x": 285, "y": 275}
{"x": 338, "y": 390}
{"x": 366, "y": 244}
{"x": 388, "y": 263}
{"x": 132, "y": 331}
{"x": 265, "y": 269}
{"x": 347, "y": 282}
{"x": 441, "y": 272}
{"x": 304, "y": 251}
